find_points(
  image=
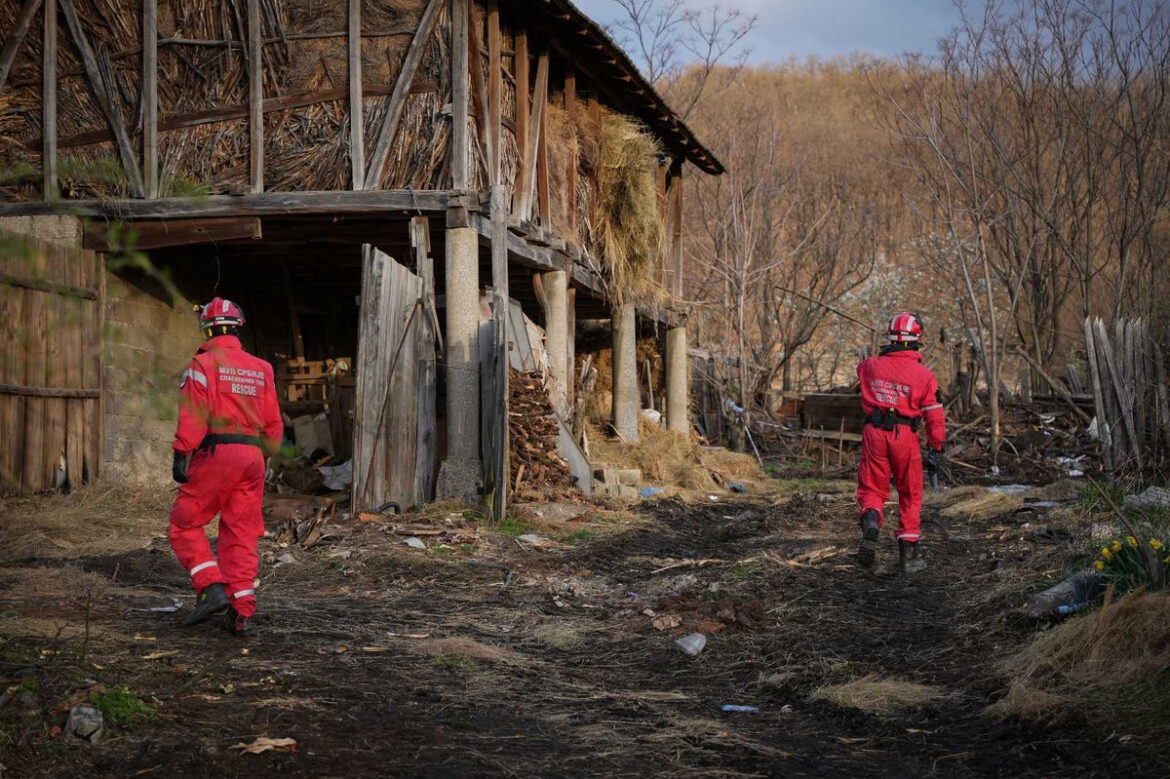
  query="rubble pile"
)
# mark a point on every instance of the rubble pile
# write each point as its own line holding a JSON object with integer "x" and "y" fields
{"x": 538, "y": 473}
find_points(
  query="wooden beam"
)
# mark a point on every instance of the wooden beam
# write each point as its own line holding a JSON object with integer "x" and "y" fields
{"x": 459, "y": 102}
{"x": 43, "y": 285}
{"x": 495, "y": 89}
{"x": 396, "y": 103}
{"x": 396, "y": 201}
{"x": 96, "y": 233}
{"x": 150, "y": 97}
{"x": 500, "y": 303}
{"x": 479, "y": 93}
{"x": 539, "y": 102}
{"x": 676, "y": 247}
{"x": 49, "y": 188}
{"x": 357, "y": 143}
{"x": 15, "y": 37}
{"x": 572, "y": 173}
{"x": 48, "y": 392}
{"x": 255, "y": 97}
{"x": 542, "y": 183}
{"x": 664, "y": 218}
{"x": 103, "y": 93}
{"x": 523, "y": 103}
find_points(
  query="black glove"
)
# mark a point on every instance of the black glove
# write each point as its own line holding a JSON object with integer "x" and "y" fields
{"x": 179, "y": 467}
{"x": 933, "y": 460}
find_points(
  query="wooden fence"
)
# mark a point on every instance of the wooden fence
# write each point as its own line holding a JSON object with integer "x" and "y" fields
{"x": 51, "y": 319}
{"x": 1128, "y": 374}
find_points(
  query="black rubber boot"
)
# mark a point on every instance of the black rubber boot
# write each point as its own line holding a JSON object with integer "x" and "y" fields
{"x": 212, "y": 600}
{"x": 910, "y": 557}
{"x": 239, "y": 625}
{"x": 869, "y": 538}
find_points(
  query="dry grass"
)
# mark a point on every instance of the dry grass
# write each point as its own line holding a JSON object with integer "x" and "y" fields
{"x": 463, "y": 648}
{"x": 875, "y": 695}
{"x": 674, "y": 460}
{"x": 626, "y": 219}
{"x": 98, "y": 519}
{"x": 974, "y": 503}
{"x": 1110, "y": 665}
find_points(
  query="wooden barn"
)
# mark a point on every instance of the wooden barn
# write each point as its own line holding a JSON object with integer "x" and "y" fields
{"x": 391, "y": 189}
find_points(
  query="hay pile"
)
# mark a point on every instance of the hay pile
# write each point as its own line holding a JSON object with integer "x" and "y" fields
{"x": 1110, "y": 665}
{"x": 875, "y": 695}
{"x": 627, "y": 228}
{"x": 974, "y": 503}
{"x": 674, "y": 460}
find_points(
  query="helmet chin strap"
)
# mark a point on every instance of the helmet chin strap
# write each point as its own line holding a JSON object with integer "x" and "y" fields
{"x": 218, "y": 330}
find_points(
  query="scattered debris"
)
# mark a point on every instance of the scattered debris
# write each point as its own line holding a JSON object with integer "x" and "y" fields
{"x": 264, "y": 744}
{"x": 538, "y": 472}
{"x": 692, "y": 645}
{"x": 666, "y": 621}
{"x": 650, "y": 492}
{"x": 733, "y": 708}
{"x": 154, "y": 605}
{"x": 737, "y": 487}
{"x": 1080, "y": 590}
{"x": 1153, "y": 497}
{"x": 85, "y": 723}
{"x": 414, "y": 542}
{"x": 536, "y": 540}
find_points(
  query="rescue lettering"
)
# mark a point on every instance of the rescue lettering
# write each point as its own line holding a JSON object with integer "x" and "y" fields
{"x": 889, "y": 391}
{"x": 242, "y": 381}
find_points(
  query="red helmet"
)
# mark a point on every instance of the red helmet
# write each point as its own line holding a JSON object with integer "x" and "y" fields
{"x": 220, "y": 313}
{"x": 905, "y": 329}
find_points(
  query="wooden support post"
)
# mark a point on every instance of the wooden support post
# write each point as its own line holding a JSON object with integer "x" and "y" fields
{"x": 15, "y": 37}
{"x": 571, "y": 349}
{"x": 1102, "y": 408}
{"x": 676, "y": 247}
{"x": 523, "y": 103}
{"x": 479, "y": 92}
{"x": 572, "y": 173}
{"x": 427, "y": 438}
{"x": 495, "y": 90}
{"x": 499, "y": 237}
{"x": 357, "y": 143}
{"x": 255, "y": 96}
{"x": 150, "y": 97}
{"x": 459, "y": 87}
{"x": 396, "y": 103}
{"x": 539, "y": 102}
{"x": 49, "y": 120}
{"x": 664, "y": 212}
{"x": 542, "y": 191}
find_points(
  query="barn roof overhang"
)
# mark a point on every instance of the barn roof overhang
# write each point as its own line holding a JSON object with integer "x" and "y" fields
{"x": 596, "y": 54}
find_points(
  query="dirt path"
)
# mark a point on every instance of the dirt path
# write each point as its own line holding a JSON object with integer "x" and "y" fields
{"x": 380, "y": 660}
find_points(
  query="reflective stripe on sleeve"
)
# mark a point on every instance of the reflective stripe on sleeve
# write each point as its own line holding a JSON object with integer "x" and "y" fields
{"x": 196, "y": 375}
{"x": 243, "y": 593}
{"x": 932, "y": 408}
{"x": 203, "y": 566}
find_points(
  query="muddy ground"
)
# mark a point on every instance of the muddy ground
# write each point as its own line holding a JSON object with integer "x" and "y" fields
{"x": 381, "y": 660}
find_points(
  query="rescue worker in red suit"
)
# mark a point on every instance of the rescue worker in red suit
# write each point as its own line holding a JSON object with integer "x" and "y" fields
{"x": 898, "y": 394}
{"x": 229, "y": 418}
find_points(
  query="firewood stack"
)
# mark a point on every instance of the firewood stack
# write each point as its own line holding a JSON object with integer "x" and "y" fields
{"x": 538, "y": 472}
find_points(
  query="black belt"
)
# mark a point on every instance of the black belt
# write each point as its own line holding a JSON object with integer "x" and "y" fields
{"x": 212, "y": 440}
{"x": 886, "y": 419}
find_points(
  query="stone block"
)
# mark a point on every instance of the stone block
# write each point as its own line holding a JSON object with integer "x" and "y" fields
{"x": 630, "y": 477}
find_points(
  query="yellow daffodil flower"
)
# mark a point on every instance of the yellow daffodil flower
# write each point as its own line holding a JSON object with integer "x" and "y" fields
{"x": 1131, "y": 541}
{"x": 1099, "y": 565}
{"x": 1156, "y": 544}
{"x": 1116, "y": 546}
{"x": 1106, "y": 553}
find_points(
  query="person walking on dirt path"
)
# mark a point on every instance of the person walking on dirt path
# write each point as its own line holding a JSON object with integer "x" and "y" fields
{"x": 898, "y": 393}
{"x": 229, "y": 418}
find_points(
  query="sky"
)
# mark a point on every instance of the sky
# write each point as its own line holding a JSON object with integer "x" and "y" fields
{"x": 825, "y": 28}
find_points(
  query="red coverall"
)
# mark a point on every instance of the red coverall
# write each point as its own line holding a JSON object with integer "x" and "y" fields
{"x": 224, "y": 390}
{"x": 897, "y": 380}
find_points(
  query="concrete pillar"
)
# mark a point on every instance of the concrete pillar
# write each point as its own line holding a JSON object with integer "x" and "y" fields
{"x": 461, "y": 474}
{"x": 677, "y": 383}
{"x": 556, "y": 341}
{"x": 625, "y": 372}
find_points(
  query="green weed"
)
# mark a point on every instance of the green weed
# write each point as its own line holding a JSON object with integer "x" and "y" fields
{"x": 119, "y": 706}
{"x": 580, "y": 536}
{"x": 455, "y": 661}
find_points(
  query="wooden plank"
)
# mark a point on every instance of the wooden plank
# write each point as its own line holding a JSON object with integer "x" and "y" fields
{"x": 1163, "y": 394}
{"x": 95, "y": 412}
{"x": 571, "y": 348}
{"x": 22, "y": 390}
{"x": 1136, "y": 374}
{"x": 73, "y": 326}
{"x": 16, "y": 37}
{"x": 479, "y": 92}
{"x": 183, "y": 232}
{"x": 267, "y": 204}
{"x": 499, "y": 239}
{"x": 49, "y": 187}
{"x": 539, "y": 101}
{"x": 35, "y": 374}
{"x": 427, "y": 436}
{"x": 460, "y": 148}
{"x": 103, "y": 93}
{"x": 543, "y": 202}
{"x": 150, "y": 97}
{"x": 495, "y": 89}
{"x": 572, "y": 174}
{"x": 676, "y": 243}
{"x": 255, "y": 97}
{"x": 13, "y": 347}
{"x": 1098, "y": 398}
{"x": 357, "y": 143}
{"x": 522, "y": 70}
{"x": 367, "y": 371}
{"x": 1124, "y": 409}
{"x": 396, "y": 103}
{"x": 57, "y": 357}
